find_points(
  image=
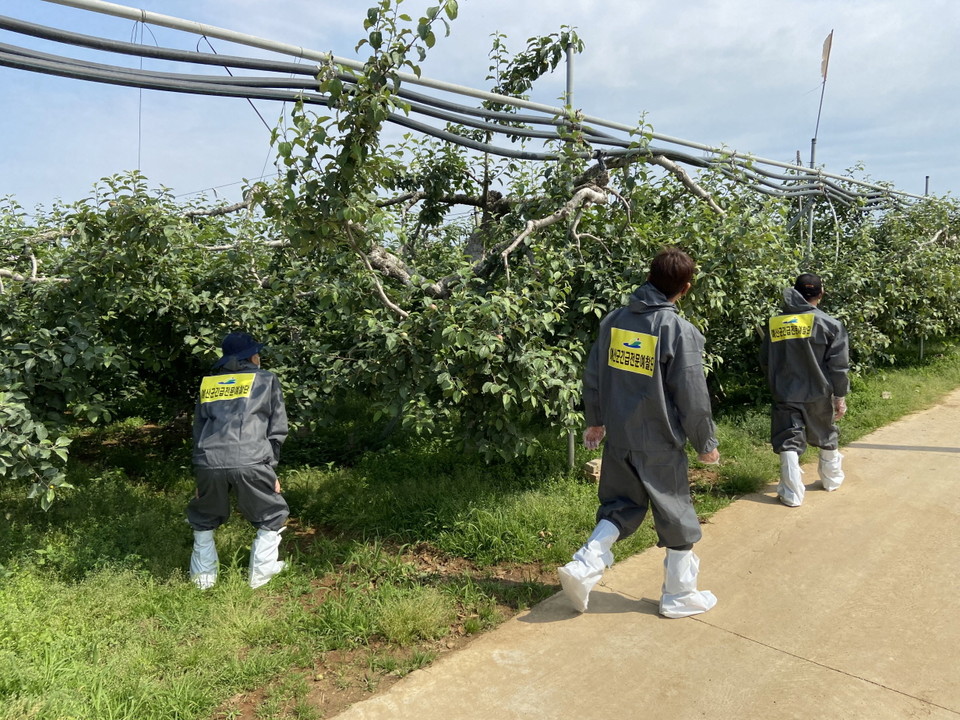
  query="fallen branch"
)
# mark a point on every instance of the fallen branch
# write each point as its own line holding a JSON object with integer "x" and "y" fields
{"x": 687, "y": 181}
{"x": 30, "y": 278}
{"x": 238, "y": 243}
{"x": 392, "y": 306}
{"x": 245, "y": 204}
{"x": 581, "y": 198}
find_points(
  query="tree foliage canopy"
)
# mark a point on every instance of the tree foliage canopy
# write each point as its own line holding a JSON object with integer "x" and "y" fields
{"x": 456, "y": 294}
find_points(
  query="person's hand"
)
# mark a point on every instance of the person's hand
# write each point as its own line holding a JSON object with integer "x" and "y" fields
{"x": 710, "y": 458}
{"x": 839, "y": 407}
{"x": 592, "y": 436}
{"x": 276, "y": 486}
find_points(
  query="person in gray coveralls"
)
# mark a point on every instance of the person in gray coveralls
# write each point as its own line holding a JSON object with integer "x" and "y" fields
{"x": 239, "y": 424}
{"x": 806, "y": 357}
{"x": 644, "y": 390}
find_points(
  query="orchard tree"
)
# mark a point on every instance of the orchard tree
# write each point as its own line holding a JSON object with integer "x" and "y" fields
{"x": 433, "y": 289}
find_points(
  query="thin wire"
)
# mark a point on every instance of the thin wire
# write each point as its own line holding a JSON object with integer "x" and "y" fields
{"x": 141, "y": 24}
{"x": 283, "y": 117}
{"x": 249, "y": 101}
{"x": 266, "y": 160}
{"x": 137, "y": 25}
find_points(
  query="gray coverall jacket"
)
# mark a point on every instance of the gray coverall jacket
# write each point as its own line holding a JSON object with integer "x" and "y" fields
{"x": 649, "y": 396}
{"x": 240, "y": 420}
{"x": 645, "y": 384}
{"x": 806, "y": 357}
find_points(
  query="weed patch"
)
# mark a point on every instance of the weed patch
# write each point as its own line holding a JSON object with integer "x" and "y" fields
{"x": 394, "y": 561}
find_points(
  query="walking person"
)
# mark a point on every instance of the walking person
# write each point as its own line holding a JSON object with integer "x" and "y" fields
{"x": 645, "y": 391}
{"x": 239, "y": 425}
{"x": 806, "y": 357}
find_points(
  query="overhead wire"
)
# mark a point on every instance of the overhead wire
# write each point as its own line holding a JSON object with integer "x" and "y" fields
{"x": 142, "y": 26}
{"x": 800, "y": 181}
{"x": 249, "y": 101}
{"x": 190, "y": 26}
{"x": 292, "y": 89}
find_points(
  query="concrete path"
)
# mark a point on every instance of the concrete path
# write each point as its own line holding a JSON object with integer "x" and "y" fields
{"x": 845, "y": 608}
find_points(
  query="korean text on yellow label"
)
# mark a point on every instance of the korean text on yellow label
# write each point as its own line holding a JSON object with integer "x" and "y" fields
{"x": 791, "y": 327}
{"x": 226, "y": 387}
{"x": 632, "y": 351}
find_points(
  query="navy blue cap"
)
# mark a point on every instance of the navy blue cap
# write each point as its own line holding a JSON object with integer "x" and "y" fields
{"x": 238, "y": 346}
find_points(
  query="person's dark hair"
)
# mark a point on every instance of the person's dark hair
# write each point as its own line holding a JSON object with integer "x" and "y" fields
{"x": 670, "y": 271}
{"x": 809, "y": 285}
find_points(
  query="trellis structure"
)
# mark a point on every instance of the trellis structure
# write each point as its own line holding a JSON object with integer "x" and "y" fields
{"x": 286, "y": 81}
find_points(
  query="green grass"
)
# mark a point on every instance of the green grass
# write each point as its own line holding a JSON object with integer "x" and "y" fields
{"x": 98, "y": 619}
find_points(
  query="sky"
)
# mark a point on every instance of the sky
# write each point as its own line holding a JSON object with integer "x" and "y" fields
{"x": 739, "y": 74}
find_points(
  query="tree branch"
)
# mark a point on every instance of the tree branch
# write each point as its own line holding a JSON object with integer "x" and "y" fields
{"x": 244, "y": 204}
{"x": 30, "y": 278}
{"x": 687, "y": 181}
{"x": 392, "y": 306}
{"x": 621, "y": 161}
{"x": 581, "y": 198}
{"x": 491, "y": 201}
{"x": 413, "y": 197}
{"x": 48, "y": 235}
{"x": 235, "y": 245}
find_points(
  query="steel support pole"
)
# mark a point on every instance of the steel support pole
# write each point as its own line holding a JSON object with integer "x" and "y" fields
{"x": 813, "y": 156}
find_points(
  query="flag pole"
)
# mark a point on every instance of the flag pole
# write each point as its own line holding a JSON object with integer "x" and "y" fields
{"x": 824, "y": 65}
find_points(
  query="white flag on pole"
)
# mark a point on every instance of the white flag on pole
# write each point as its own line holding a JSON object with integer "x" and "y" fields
{"x": 825, "y": 58}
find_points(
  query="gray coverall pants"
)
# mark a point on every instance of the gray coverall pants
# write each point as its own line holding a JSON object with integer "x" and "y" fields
{"x": 257, "y": 500}
{"x": 631, "y": 480}
{"x": 794, "y": 425}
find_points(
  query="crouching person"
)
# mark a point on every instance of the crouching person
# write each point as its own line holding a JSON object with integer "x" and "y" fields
{"x": 239, "y": 425}
{"x": 645, "y": 391}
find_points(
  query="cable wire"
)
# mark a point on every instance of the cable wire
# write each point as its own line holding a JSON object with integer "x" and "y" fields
{"x": 799, "y": 181}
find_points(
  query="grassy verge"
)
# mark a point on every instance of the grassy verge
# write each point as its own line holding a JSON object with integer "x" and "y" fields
{"x": 396, "y": 560}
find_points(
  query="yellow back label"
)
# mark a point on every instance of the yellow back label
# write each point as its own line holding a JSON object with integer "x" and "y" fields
{"x": 791, "y": 327}
{"x": 226, "y": 387}
{"x": 632, "y": 351}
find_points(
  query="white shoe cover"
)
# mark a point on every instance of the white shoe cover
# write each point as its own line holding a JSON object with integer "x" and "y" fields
{"x": 680, "y": 597}
{"x": 791, "y": 489}
{"x": 831, "y": 472}
{"x": 204, "y": 562}
{"x": 579, "y": 576}
{"x": 263, "y": 557}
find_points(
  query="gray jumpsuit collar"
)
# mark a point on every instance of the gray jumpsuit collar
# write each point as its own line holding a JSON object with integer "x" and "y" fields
{"x": 794, "y": 302}
{"x": 647, "y": 298}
